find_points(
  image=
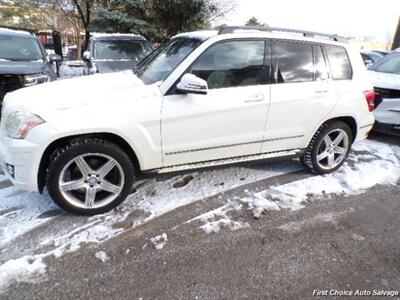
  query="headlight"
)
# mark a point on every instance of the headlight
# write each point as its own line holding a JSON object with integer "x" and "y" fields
{"x": 34, "y": 79}
{"x": 18, "y": 124}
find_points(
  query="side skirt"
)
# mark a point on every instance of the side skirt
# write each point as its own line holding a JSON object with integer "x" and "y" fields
{"x": 230, "y": 161}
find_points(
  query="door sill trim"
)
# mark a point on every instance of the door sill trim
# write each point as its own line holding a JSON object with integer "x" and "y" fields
{"x": 229, "y": 161}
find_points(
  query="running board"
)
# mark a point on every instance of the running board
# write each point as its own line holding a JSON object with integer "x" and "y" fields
{"x": 229, "y": 161}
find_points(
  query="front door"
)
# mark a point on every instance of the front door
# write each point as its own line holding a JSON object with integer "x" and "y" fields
{"x": 230, "y": 120}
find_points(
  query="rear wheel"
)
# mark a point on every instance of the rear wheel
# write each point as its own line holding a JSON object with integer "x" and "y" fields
{"x": 329, "y": 148}
{"x": 89, "y": 176}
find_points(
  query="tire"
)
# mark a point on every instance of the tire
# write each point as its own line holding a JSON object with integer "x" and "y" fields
{"x": 89, "y": 176}
{"x": 329, "y": 148}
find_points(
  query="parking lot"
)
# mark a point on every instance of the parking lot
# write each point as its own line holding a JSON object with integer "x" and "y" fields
{"x": 235, "y": 232}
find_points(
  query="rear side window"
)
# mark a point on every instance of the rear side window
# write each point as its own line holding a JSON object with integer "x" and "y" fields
{"x": 232, "y": 64}
{"x": 292, "y": 62}
{"x": 339, "y": 63}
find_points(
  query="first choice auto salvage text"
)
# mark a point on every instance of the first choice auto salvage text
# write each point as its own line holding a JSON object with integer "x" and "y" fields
{"x": 350, "y": 293}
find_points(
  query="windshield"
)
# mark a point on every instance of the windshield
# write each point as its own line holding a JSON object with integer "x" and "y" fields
{"x": 18, "y": 48}
{"x": 121, "y": 49}
{"x": 388, "y": 64}
{"x": 158, "y": 65}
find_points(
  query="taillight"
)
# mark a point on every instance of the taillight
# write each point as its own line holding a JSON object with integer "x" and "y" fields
{"x": 370, "y": 98}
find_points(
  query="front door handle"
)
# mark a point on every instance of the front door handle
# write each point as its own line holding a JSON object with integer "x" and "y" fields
{"x": 255, "y": 98}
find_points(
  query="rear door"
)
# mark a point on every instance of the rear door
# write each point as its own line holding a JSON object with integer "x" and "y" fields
{"x": 302, "y": 95}
{"x": 230, "y": 120}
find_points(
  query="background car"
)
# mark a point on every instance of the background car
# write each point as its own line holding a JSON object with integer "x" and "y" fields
{"x": 385, "y": 76}
{"x": 23, "y": 61}
{"x": 370, "y": 57}
{"x": 114, "y": 52}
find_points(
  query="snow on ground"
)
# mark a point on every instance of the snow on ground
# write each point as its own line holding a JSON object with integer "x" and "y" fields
{"x": 102, "y": 256}
{"x": 159, "y": 241}
{"x": 33, "y": 228}
{"x": 70, "y": 69}
{"x": 32, "y": 225}
{"x": 24, "y": 269}
{"x": 378, "y": 163}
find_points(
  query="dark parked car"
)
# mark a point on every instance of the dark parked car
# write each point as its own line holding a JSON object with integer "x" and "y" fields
{"x": 370, "y": 57}
{"x": 23, "y": 61}
{"x": 114, "y": 52}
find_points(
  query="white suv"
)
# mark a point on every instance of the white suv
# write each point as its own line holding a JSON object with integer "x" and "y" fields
{"x": 205, "y": 98}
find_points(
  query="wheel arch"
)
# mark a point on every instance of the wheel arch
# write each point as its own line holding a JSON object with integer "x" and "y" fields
{"x": 348, "y": 120}
{"x": 111, "y": 137}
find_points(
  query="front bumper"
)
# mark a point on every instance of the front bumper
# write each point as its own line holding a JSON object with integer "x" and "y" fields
{"x": 21, "y": 155}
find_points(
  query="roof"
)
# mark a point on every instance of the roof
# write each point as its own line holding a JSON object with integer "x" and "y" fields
{"x": 116, "y": 36}
{"x": 7, "y": 31}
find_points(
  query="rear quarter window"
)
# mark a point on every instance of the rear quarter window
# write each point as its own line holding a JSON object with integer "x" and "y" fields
{"x": 339, "y": 62}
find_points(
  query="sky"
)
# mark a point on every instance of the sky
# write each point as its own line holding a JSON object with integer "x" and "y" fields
{"x": 352, "y": 18}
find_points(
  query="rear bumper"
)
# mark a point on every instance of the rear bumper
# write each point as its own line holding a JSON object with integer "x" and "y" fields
{"x": 391, "y": 129}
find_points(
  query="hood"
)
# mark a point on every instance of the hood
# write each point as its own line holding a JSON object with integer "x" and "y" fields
{"x": 21, "y": 67}
{"x": 89, "y": 93}
{"x": 108, "y": 66}
{"x": 385, "y": 80}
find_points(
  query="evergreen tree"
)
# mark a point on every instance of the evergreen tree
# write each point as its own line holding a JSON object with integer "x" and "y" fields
{"x": 158, "y": 19}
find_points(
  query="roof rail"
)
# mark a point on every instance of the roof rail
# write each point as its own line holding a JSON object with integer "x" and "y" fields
{"x": 232, "y": 29}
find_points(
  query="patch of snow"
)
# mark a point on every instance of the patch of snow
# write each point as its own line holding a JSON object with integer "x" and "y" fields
{"x": 201, "y": 34}
{"x": 259, "y": 203}
{"x": 102, "y": 256}
{"x": 7, "y": 30}
{"x": 215, "y": 226}
{"x": 103, "y": 35}
{"x": 348, "y": 180}
{"x": 70, "y": 70}
{"x": 217, "y": 218}
{"x": 159, "y": 241}
{"x": 29, "y": 269}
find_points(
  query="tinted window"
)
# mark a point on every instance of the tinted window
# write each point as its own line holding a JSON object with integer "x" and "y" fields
{"x": 321, "y": 69}
{"x": 339, "y": 62}
{"x": 232, "y": 64}
{"x": 388, "y": 64}
{"x": 159, "y": 64}
{"x": 121, "y": 49}
{"x": 292, "y": 62}
{"x": 17, "y": 48}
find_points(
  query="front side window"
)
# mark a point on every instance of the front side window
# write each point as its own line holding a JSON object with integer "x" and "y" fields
{"x": 292, "y": 62}
{"x": 121, "y": 49}
{"x": 163, "y": 61}
{"x": 16, "y": 48}
{"x": 339, "y": 62}
{"x": 232, "y": 64}
{"x": 388, "y": 64}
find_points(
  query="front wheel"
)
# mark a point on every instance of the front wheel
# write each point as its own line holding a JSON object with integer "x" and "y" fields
{"x": 89, "y": 176}
{"x": 329, "y": 148}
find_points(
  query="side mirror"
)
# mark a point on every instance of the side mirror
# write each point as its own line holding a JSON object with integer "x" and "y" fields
{"x": 368, "y": 63}
{"x": 55, "y": 58}
{"x": 86, "y": 56}
{"x": 191, "y": 84}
